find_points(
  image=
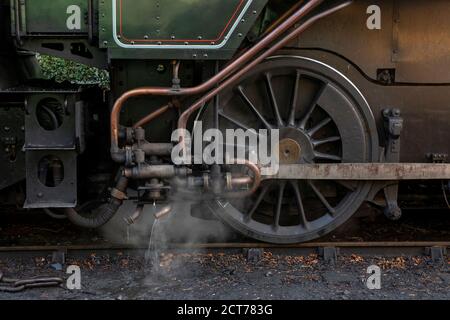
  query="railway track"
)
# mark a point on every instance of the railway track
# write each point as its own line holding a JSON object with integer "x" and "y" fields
{"x": 173, "y": 261}
{"x": 437, "y": 250}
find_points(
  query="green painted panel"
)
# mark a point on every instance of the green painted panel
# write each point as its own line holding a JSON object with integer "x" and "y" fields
{"x": 180, "y": 29}
{"x": 200, "y": 21}
{"x": 56, "y": 16}
{"x": 146, "y": 29}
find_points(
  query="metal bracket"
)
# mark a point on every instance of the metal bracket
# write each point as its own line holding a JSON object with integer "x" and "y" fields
{"x": 393, "y": 125}
{"x": 253, "y": 255}
{"x": 437, "y": 253}
{"x": 54, "y": 135}
{"x": 59, "y": 256}
{"x": 438, "y": 157}
{"x": 329, "y": 254}
{"x": 62, "y": 194}
{"x": 62, "y": 137}
{"x": 18, "y": 20}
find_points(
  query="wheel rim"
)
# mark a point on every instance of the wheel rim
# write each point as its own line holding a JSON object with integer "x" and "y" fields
{"x": 322, "y": 118}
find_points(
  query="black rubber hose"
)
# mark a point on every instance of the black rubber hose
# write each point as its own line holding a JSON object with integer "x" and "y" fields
{"x": 103, "y": 214}
{"x": 54, "y": 215}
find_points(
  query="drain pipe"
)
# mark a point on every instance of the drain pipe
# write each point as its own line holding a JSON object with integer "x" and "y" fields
{"x": 105, "y": 212}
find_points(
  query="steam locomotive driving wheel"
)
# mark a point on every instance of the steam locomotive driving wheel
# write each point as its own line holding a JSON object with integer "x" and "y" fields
{"x": 322, "y": 118}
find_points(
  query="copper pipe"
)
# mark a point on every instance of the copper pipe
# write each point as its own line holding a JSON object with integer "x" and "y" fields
{"x": 115, "y": 113}
{"x": 176, "y": 69}
{"x": 256, "y": 180}
{"x": 283, "y": 17}
{"x": 223, "y": 74}
{"x": 241, "y": 181}
{"x": 176, "y": 65}
{"x": 136, "y": 215}
{"x": 163, "y": 212}
{"x": 182, "y": 122}
{"x": 141, "y": 123}
{"x": 175, "y": 103}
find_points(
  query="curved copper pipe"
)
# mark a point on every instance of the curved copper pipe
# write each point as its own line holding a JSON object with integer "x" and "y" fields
{"x": 223, "y": 74}
{"x": 115, "y": 113}
{"x": 182, "y": 122}
{"x": 136, "y": 215}
{"x": 241, "y": 181}
{"x": 256, "y": 180}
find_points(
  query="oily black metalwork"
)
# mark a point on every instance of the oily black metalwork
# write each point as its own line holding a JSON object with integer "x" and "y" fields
{"x": 51, "y": 179}
{"x": 12, "y": 137}
{"x": 393, "y": 126}
{"x": 53, "y": 139}
{"x": 400, "y": 66}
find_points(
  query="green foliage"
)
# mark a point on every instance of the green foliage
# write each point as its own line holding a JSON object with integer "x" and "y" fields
{"x": 62, "y": 70}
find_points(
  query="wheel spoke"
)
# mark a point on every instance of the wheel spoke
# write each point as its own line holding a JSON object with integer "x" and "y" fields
{"x": 295, "y": 95}
{"x": 312, "y": 107}
{"x": 311, "y": 132}
{"x": 322, "y": 199}
{"x": 253, "y": 108}
{"x": 349, "y": 185}
{"x": 326, "y": 156}
{"x": 233, "y": 121}
{"x": 239, "y": 124}
{"x": 260, "y": 198}
{"x": 273, "y": 100}
{"x": 276, "y": 222}
{"x": 320, "y": 142}
{"x": 301, "y": 208}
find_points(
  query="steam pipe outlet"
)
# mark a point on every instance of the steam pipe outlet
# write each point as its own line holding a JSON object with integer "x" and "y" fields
{"x": 136, "y": 215}
{"x": 163, "y": 212}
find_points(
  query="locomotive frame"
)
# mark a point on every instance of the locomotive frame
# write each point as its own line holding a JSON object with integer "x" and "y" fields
{"x": 381, "y": 86}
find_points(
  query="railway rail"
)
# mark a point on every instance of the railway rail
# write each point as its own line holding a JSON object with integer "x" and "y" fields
{"x": 335, "y": 254}
{"x": 437, "y": 250}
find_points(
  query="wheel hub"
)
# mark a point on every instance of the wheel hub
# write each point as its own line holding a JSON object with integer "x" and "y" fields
{"x": 289, "y": 151}
{"x": 295, "y": 146}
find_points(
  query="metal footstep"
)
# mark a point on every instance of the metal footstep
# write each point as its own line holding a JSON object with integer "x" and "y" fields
{"x": 17, "y": 285}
